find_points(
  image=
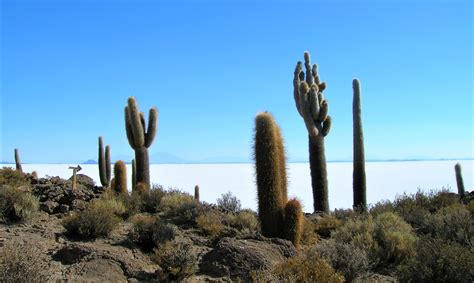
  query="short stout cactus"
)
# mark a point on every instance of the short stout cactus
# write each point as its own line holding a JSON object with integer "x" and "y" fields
{"x": 313, "y": 108}
{"x": 17, "y": 161}
{"x": 270, "y": 165}
{"x": 140, "y": 137}
{"x": 358, "y": 177}
{"x": 104, "y": 164}
{"x": 459, "y": 180}
{"x": 120, "y": 178}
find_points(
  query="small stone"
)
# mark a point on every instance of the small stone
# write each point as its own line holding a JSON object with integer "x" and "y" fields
{"x": 63, "y": 208}
{"x": 48, "y": 206}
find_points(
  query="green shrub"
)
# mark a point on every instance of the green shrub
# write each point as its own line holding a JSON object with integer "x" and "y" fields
{"x": 307, "y": 267}
{"x": 176, "y": 258}
{"x": 326, "y": 225}
{"x": 245, "y": 220}
{"x": 17, "y": 204}
{"x": 229, "y": 202}
{"x": 13, "y": 178}
{"x": 151, "y": 201}
{"x": 210, "y": 223}
{"x": 97, "y": 220}
{"x": 452, "y": 223}
{"x": 346, "y": 258}
{"x": 395, "y": 237}
{"x": 181, "y": 207}
{"x": 470, "y": 207}
{"x": 148, "y": 232}
{"x": 438, "y": 260}
{"x": 21, "y": 263}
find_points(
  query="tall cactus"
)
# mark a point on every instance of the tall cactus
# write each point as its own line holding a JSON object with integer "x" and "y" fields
{"x": 104, "y": 164}
{"x": 134, "y": 174}
{"x": 459, "y": 180}
{"x": 120, "y": 178}
{"x": 269, "y": 167}
{"x": 358, "y": 177}
{"x": 17, "y": 161}
{"x": 139, "y": 139}
{"x": 196, "y": 192}
{"x": 313, "y": 108}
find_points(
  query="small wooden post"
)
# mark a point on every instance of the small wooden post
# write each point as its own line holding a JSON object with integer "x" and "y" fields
{"x": 74, "y": 171}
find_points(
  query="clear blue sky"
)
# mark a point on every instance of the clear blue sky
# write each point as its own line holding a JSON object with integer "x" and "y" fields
{"x": 68, "y": 67}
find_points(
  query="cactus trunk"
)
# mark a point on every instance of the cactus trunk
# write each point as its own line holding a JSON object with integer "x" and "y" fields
{"x": 17, "y": 161}
{"x": 196, "y": 193}
{"x": 104, "y": 164}
{"x": 358, "y": 177}
{"x": 459, "y": 180}
{"x": 319, "y": 181}
{"x": 142, "y": 164}
{"x": 134, "y": 174}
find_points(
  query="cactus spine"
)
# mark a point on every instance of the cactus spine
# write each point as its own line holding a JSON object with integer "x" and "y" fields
{"x": 139, "y": 139}
{"x": 313, "y": 108}
{"x": 17, "y": 161}
{"x": 120, "y": 178}
{"x": 269, "y": 169}
{"x": 196, "y": 192}
{"x": 293, "y": 221}
{"x": 358, "y": 177}
{"x": 459, "y": 180}
{"x": 104, "y": 164}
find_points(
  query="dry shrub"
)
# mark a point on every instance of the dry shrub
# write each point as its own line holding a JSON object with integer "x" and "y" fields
{"x": 20, "y": 263}
{"x": 16, "y": 204}
{"x": 438, "y": 260}
{"x": 182, "y": 207}
{"x": 229, "y": 202}
{"x": 99, "y": 218}
{"x": 210, "y": 223}
{"x": 307, "y": 267}
{"x": 244, "y": 220}
{"x": 308, "y": 235}
{"x": 13, "y": 178}
{"x": 346, "y": 258}
{"x": 148, "y": 232}
{"x": 326, "y": 225}
{"x": 452, "y": 223}
{"x": 176, "y": 258}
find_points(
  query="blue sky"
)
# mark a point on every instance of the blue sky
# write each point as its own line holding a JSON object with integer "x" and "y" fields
{"x": 68, "y": 67}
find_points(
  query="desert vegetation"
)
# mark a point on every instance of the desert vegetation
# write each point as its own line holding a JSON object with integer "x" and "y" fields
{"x": 151, "y": 233}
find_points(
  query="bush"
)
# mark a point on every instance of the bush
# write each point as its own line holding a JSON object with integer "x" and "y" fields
{"x": 245, "y": 220}
{"x": 308, "y": 235}
{"x": 308, "y": 267}
{"x": 346, "y": 258}
{"x": 148, "y": 232}
{"x": 97, "y": 220}
{"x": 395, "y": 237}
{"x": 16, "y": 204}
{"x": 13, "y": 178}
{"x": 182, "y": 207}
{"x": 176, "y": 258}
{"x": 152, "y": 200}
{"x": 229, "y": 202}
{"x": 438, "y": 260}
{"x": 326, "y": 225}
{"x": 21, "y": 263}
{"x": 210, "y": 223}
{"x": 452, "y": 223}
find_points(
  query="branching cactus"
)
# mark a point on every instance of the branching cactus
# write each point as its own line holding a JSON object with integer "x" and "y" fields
{"x": 358, "y": 177}
{"x": 313, "y": 108}
{"x": 140, "y": 137}
{"x": 459, "y": 180}
{"x": 104, "y": 164}
{"x": 120, "y": 178}
{"x": 17, "y": 161}
{"x": 268, "y": 152}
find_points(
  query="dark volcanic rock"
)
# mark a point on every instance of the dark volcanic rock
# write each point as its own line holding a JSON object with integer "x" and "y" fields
{"x": 239, "y": 257}
{"x": 48, "y": 206}
{"x": 84, "y": 180}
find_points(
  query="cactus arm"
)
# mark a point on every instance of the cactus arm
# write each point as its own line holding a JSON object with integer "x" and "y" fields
{"x": 128, "y": 128}
{"x": 296, "y": 84}
{"x": 314, "y": 102}
{"x": 101, "y": 162}
{"x": 135, "y": 122}
{"x": 108, "y": 170}
{"x": 152, "y": 122}
{"x": 326, "y": 126}
{"x": 307, "y": 64}
{"x": 323, "y": 112}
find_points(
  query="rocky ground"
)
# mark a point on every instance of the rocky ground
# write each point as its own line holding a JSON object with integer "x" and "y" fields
{"x": 116, "y": 258}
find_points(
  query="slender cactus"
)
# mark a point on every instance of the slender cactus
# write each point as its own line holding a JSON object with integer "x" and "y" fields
{"x": 313, "y": 108}
{"x": 120, "y": 178}
{"x": 358, "y": 177}
{"x": 139, "y": 139}
{"x": 17, "y": 161}
{"x": 104, "y": 164}
{"x": 134, "y": 174}
{"x": 459, "y": 180}
{"x": 196, "y": 192}
{"x": 270, "y": 188}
